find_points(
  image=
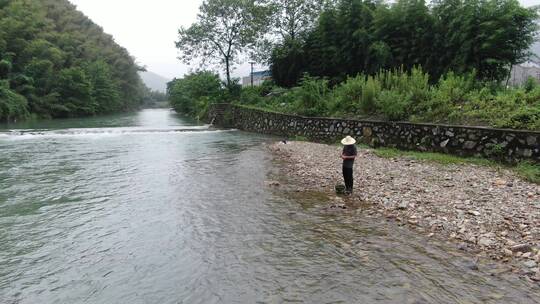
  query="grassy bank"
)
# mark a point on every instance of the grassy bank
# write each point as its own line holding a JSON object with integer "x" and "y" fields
{"x": 527, "y": 170}
{"x": 392, "y": 95}
{"x": 398, "y": 95}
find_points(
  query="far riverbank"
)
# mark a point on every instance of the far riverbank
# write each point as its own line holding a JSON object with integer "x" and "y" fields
{"x": 490, "y": 213}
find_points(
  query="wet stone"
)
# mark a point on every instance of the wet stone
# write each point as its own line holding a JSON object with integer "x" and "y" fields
{"x": 521, "y": 248}
{"x": 530, "y": 264}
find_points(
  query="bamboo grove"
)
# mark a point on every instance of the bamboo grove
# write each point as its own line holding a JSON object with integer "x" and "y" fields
{"x": 362, "y": 36}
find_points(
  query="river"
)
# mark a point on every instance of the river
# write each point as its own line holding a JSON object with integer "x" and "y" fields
{"x": 150, "y": 207}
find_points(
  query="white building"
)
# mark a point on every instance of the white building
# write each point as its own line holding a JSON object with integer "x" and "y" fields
{"x": 258, "y": 78}
{"x": 522, "y": 72}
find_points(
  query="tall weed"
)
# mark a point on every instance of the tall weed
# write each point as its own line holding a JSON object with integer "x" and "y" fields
{"x": 312, "y": 97}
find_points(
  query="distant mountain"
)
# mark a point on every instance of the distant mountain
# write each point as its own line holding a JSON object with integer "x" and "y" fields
{"x": 154, "y": 81}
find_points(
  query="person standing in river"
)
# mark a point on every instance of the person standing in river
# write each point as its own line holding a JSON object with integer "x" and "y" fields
{"x": 348, "y": 156}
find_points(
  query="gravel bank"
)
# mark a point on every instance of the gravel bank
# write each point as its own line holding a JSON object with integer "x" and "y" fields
{"x": 485, "y": 211}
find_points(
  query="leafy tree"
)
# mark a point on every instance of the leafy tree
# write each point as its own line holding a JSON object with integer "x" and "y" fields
{"x": 5, "y": 68}
{"x": 12, "y": 105}
{"x": 364, "y": 36}
{"x": 322, "y": 47}
{"x": 192, "y": 94}
{"x": 406, "y": 29}
{"x": 41, "y": 71}
{"x": 224, "y": 30}
{"x": 292, "y": 19}
{"x": 104, "y": 89}
{"x": 49, "y": 50}
{"x": 287, "y": 63}
{"x": 151, "y": 97}
{"x": 486, "y": 36}
{"x": 75, "y": 91}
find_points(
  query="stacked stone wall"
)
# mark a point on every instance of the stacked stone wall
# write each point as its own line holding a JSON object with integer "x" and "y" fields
{"x": 503, "y": 144}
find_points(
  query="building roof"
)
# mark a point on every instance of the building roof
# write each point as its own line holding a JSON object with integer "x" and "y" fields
{"x": 262, "y": 74}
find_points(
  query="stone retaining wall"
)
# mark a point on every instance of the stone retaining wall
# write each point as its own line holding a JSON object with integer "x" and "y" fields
{"x": 503, "y": 144}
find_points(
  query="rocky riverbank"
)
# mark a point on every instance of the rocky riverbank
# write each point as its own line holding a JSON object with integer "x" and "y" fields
{"x": 486, "y": 211}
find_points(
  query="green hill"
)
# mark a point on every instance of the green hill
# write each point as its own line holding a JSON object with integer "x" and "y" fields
{"x": 154, "y": 81}
{"x": 55, "y": 62}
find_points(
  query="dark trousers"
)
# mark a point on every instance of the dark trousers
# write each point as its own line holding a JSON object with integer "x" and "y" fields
{"x": 348, "y": 177}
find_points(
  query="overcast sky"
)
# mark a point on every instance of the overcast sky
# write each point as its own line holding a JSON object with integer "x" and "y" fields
{"x": 148, "y": 29}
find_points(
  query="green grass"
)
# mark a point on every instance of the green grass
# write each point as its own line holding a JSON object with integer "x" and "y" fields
{"x": 527, "y": 170}
{"x": 300, "y": 138}
{"x": 445, "y": 159}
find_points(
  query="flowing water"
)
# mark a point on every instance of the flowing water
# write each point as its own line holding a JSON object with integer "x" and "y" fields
{"x": 153, "y": 208}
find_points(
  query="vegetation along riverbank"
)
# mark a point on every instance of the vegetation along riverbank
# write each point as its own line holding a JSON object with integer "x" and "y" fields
{"x": 405, "y": 61}
{"x": 485, "y": 210}
{"x": 55, "y": 62}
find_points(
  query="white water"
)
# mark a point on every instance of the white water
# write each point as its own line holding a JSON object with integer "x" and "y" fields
{"x": 24, "y": 134}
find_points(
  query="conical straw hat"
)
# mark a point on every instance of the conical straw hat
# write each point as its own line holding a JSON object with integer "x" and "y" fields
{"x": 348, "y": 141}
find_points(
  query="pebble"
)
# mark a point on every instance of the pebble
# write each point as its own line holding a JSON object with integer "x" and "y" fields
{"x": 473, "y": 212}
{"x": 521, "y": 248}
{"x": 484, "y": 241}
{"x": 530, "y": 264}
{"x": 472, "y": 266}
{"x": 481, "y": 201}
{"x": 403, "y": 205}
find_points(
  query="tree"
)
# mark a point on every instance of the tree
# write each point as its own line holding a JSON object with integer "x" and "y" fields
{"x": 224, "y": 30}
{"x": 5, "y": 68}
{"x": 193, "y": 93}
{"x": 104, "y": 89}
{"x": 486, "y": 36}
{"x": 12, "y": 105}
{"x": 363, "y": 36}
{"x": 407, "y": 29}
{"x": 44, "y": 44}
{"x": 287, "y": 63}
{"x": 75, "y": 91}
{"x": 290, "y": 21}
{"x": 294, "y": 18}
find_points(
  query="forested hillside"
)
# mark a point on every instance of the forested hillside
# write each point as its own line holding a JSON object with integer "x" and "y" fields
{"x": 55, "y": 62}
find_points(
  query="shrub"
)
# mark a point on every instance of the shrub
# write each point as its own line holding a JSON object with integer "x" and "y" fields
{"x": 401, "y": 95}
{"x": 251, "y": 96}
{"x": 370, "y": 92}
{"x": 12, "y": 105}
{"x": 530, "y": 84}
{"x": 347, "y": 96}
{"x": 312, "y": 97}
{"x": 393, "y": 105}
{"x": 192, "y": 94}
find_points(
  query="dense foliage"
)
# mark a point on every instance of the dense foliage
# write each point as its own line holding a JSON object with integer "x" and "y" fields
{"x": 192, "y": 94}
{"x": 362, "y": 59}
{"x": 55, "y": 62}
{"x": 224, "y": 30}
{"x": 152, "y": 98}
{"x": 365, "y": 36}
{"x": 400, "y": 95}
